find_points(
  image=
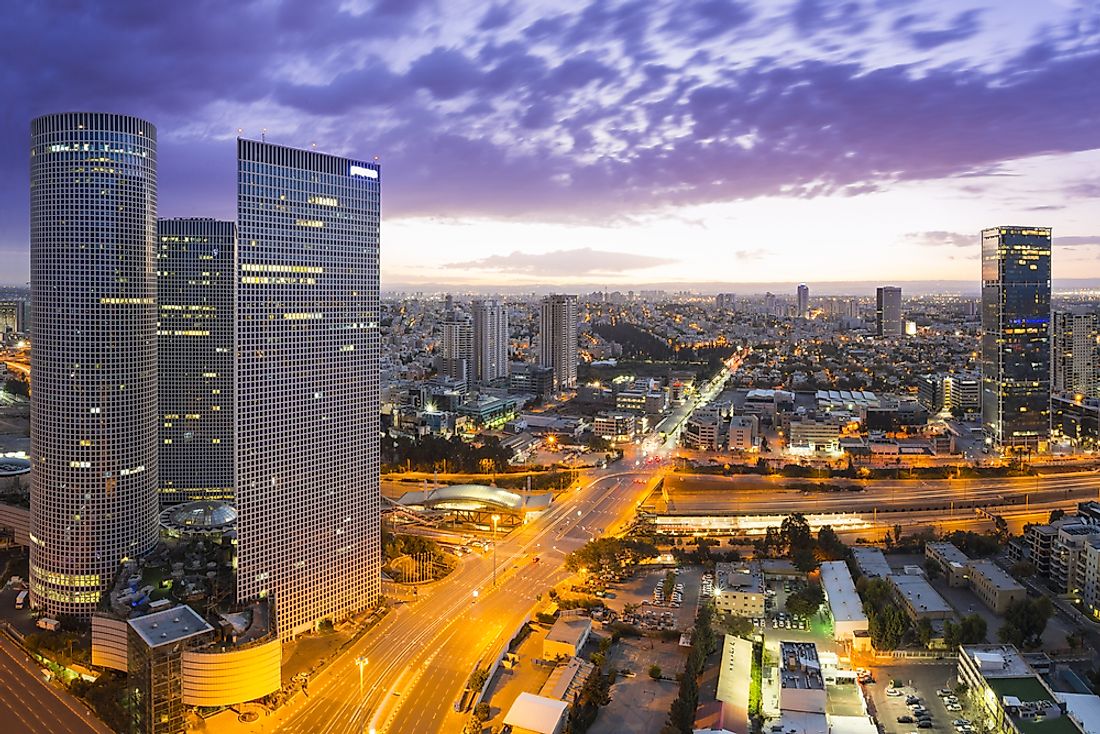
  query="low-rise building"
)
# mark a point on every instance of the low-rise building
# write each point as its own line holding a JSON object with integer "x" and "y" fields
{"x": 744, "y": 431}
{"x": 615, "y": 426}
{"x": 566, "y": 637}
{"x": 871, "y": 562}
{"x": 1011, "y": 697}
{"x": 739, "y": 589}
{"x": 809, "y": 435}
{"x": 994, "y": 586}
{"x": 919, "y": 599}
{"x": 845, "y": 606}
{"x": 531, "y": 714}
{"x": 952, "y": 561}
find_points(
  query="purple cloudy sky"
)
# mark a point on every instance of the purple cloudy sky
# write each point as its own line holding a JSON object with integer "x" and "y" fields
{"x": 607, "y": 141}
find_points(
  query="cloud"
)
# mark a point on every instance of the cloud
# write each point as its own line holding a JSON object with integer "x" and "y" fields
{"x": 940, "y": 238}
{"x": 758, "y": 253}
{"x": 580, "y": 261}
{"x": 964, "y": 25}
{"x": 1077, "y": 241}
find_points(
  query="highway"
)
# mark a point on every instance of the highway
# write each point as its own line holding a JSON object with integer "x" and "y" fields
{"x": 30, "y": 705}
{"x": 754, "y": 495}
{"x": 421, "y": 655}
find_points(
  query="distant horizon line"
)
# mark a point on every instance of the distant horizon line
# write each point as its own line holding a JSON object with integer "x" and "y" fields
{"x": 744, "y": 288}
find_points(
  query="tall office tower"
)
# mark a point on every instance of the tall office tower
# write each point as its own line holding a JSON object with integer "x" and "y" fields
{"x": 726, "y": 301}
{"x": 1073, "y": 352}
{"x": 888, "y": 311}
{"x": 769, "y": 304}
{"x": 491, "y": 340}
{"x": 1015, "y": 336}
{"x": 307, "y": 383}
{"x": 458, "y": 346}
{"x": 196, "y": 286}
{"x": 558, "y": 339}
{"x": 94, "y": 362}
{"x": 803, "y": 301}
{"x": 12, "y": 317}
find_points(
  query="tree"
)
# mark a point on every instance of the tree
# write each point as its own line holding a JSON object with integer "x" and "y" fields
{"x": 655, "y": 672}
{"x": 482, "y": 712}
{"x": 1025, "y": 621}
{"x": 1023, "y": 569}
{"x": 829, "y": 545}
{"x": 887, "y": 625}
{"x": 806, "y": 601}
{"x": 1056, "y": 515}
{"x": 795, "y": 533}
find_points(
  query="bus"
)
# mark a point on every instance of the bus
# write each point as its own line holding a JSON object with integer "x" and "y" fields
{"x": 21, "y": 600}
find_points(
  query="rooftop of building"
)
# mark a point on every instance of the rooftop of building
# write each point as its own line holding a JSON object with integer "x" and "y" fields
{"x": 170, "y": 626}
{"x": 738, "y": 577}
{"x": 566, "y": 678}
{"x": 871, "y": 561}
{"x": 799, "y": 666}
{"x": 919, "y": 594}
{"x": 535, "y": 713}
{"x": 948, "y": 552}
{"x": 569, "y": 630}
{"x": 998, "y": 661}
{"x": 840, "y": 592}
{"x": 994, "y": 574}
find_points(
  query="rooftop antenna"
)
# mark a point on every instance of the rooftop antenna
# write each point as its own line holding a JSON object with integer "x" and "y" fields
{"x": 263, "y": 135}
{"x": 313, "y": 145}
{"x": 240, "y": 131}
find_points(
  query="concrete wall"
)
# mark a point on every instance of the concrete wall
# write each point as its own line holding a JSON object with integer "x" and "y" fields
{"x": 109, "y": 643}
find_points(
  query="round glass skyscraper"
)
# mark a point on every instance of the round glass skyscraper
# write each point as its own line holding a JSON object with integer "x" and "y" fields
{"x": 94, "y": 362}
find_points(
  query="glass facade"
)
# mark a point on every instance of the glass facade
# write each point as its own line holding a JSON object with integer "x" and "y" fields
{"x": 1016, "y": 336}
{"x": 307, "y": 442}
{"x": 196, "y": 263}
{"x": 94, "y": 362}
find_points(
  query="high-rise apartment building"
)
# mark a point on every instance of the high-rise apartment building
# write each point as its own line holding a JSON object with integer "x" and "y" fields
{"x": 196, "y": 286}
{"x": 307, "y": 383}
{"x": 558, "y": 339}
{"x": 491, "y": 341}
{"x": 803, "y": 307}
{"x": 94, "y": 364}
{"x": 13, "y": 316}
{"x": 888, "y": 311}
{"x": 1015, "y": 336}
{"x": 457, "y": 346}
{"x": 726, "y": 301}
{"x": 1073, "y": 352}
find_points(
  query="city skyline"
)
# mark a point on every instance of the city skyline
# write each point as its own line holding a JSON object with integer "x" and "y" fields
{"x": 761, "y": 138}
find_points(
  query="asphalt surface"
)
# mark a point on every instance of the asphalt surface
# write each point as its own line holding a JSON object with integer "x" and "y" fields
{"x": 29, "y": 704}
{"x": 420, "y": 657}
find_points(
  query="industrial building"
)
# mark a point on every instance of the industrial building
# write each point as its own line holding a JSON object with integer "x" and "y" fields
{"x": 952, "y": 561}
{"x": 849, "y": 622}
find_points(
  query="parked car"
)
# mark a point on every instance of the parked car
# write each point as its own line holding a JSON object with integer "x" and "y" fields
{"x": 893, "y": 692}
{"x": 905, "y": 719}
{"x": 924, "y": 724}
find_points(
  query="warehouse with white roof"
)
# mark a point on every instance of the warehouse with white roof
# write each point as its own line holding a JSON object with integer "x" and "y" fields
{"x": 845, "y": 606}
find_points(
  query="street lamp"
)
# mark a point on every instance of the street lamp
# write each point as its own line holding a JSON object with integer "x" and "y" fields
{"x": 496, "y": 519}
{"x": 361, "y": 662}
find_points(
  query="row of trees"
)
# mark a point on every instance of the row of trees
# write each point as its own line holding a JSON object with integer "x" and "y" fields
{"x": 436, "y": 453}
{"x": 886, "y": 622}
{"x": 795, "y": 540}
{"x": 681, "y": 715}
{"x": 610, "y": 555}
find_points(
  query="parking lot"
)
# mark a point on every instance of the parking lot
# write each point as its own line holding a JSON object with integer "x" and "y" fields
{"x": 639, "y": 591}
{"x": 639, "y": 703}
{"x": 922, "y": 681}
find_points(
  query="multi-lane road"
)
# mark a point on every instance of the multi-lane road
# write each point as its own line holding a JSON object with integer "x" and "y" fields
{"x": 420, "y": 656}
{"x": 29, "y": 705}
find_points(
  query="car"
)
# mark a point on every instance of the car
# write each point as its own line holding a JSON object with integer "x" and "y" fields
{"x": 943, "y": 692}
{"x": 905, "y": 719}
{"x": 911, "y": 700}
{"x": 893, "y": 692}
{"x": 954, "y": 707}
{"x": 961, "y": 722}
{"x": 925, "y": 724}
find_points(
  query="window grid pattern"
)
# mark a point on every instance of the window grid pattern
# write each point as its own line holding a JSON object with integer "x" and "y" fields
{"x": 558, "y": 339}
{"x": 196, "y": 263}
{"x": 93, "y": 366}
{"x": 307, "y": 383}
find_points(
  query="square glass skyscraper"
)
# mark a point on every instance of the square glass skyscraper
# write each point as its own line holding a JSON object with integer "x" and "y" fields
{"x": 1016, "y": 336}
{"x": 307, "y": 383}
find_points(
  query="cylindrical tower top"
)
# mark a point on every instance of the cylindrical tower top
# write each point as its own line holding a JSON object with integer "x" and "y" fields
{"x": 93, "y": 366}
